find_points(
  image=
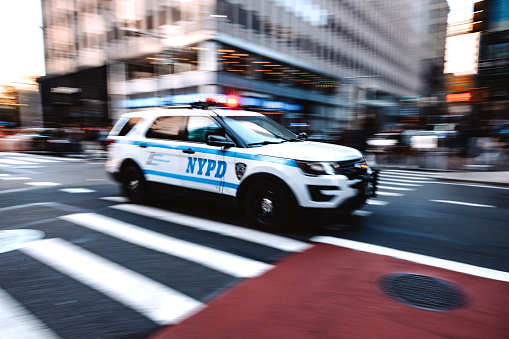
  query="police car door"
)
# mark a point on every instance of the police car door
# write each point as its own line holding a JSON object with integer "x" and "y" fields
{"x": 162, "y": 145}
{"x": 202, "y": 165}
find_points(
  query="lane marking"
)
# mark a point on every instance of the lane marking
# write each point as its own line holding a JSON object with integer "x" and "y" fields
{"x": 362, "y": 213}
{"x": 396, "y": 188}
{"x": 156, "y": 301}
{"x": 27, "y": 158}
{"x": 471, "y": 185}
{"x": 15, "y": 190}
{"x": 398, "y": 178}
{"x": 376, "y": 202}
{"x": 417, "y": 258}
{"x": 389, "y": 194}
{"x": 397, "y": 183}
{"x": 267, "y": 239}
{"x": 115, "y": 199}
{"x": 15, "y": 178}
{"x": 463, "y": 203}
{"x": 77, "y": 190}
{"x": 15, "y": 162}
{"x": 228, "y": 263}
{"x": 428, "y": 175}
{"x": 43, "y": 183}
{"x": 18, "y": 323}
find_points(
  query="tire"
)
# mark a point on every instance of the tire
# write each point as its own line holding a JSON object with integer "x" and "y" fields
{"x": 134, "y": 185}
{"x": 269, "y": 205}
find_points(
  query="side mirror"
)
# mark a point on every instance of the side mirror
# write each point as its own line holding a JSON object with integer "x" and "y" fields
{"x": 303, "y": 136}
{"x": 219, "y": 140}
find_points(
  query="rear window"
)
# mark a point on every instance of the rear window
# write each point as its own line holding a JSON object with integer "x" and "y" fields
{"x": 124, "y": 126}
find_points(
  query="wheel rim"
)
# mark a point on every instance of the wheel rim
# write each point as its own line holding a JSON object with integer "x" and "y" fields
{"x": 133, "y": 182}
{"x": 266, "y": 207}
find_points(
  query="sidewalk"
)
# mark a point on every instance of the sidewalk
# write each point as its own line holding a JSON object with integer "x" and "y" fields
{"x": 331, "y": 291}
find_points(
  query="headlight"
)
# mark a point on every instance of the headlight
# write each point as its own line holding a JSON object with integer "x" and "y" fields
{"x": 317, "y": 168}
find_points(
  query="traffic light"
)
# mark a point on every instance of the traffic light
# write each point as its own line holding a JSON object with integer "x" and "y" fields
{"x": 479, "y": 22}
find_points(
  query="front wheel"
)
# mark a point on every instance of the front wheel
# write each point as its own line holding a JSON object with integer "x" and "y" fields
{"x": 134, "y": 185}
{"x": 269, "y": 205}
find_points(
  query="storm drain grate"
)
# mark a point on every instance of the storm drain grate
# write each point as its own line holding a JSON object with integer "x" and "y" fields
{"x": 422, "y": 291}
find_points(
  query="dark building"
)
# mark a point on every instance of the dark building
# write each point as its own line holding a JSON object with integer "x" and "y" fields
{"x": 78, "y": 99}
{"x": 493, "y": 79}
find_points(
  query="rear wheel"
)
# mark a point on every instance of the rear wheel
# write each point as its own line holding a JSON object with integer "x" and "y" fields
{"x": 269, "y": 205}
{"x": 134, "y": 185}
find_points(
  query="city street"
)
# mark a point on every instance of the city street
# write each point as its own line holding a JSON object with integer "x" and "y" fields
{"x": 91, "y": 265}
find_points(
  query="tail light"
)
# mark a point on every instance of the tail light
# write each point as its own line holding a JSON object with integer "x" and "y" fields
{"x": 109, "y": 142}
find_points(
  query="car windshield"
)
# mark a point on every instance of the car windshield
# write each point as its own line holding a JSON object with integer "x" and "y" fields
{"x": 259, "y": 130}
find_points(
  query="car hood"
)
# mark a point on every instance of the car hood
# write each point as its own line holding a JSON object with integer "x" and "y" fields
{"x": 309, "y": 151}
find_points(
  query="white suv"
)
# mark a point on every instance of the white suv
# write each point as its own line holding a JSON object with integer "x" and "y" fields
{"x": 272, "y": 173}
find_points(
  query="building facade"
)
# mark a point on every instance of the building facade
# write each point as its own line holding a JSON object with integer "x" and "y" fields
{"x": 320, "y": 64}
{"x": 493, "y": 76}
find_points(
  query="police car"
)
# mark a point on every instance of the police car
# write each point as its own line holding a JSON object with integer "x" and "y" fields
{"x": 273, "y": 174}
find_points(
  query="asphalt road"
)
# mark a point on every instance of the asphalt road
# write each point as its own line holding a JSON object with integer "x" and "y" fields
{"x": 106, "y": 269}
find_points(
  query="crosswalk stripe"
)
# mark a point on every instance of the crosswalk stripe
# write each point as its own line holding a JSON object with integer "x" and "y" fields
{"x": 271, "y": 240}
{"x": 397, "y": 183}
{"x": 396, "y": 188}
{"x": 115, "y": 199}
{"x": 389, "y": 194}
{"x": 418, "y": 174}
{"x": 18, "y": 323}
{"x": 16, "y": 162}
{"x": 376, "y": 202}
{"x": 221, "y": 261}
{"x": 31, "y": 159}
{"x": 398, "y": 179}
{"x": 156, "y": 301}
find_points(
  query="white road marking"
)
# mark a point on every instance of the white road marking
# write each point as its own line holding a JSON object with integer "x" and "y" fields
{"x": 397, "y": 183}
{"x": 77, "y": 190}
{"x": 463, "y": 203}
{"x": 43, "y": 183}
{"x": 218, "y": 260}
{"x": 398, "y": 178}
{"x": 156, "y": 301}
{"x": 418, "y": 258}
{"x": 396, "y": 188}
{"x": 4, "y": 175}
{"x": 389, "y": 194}
{"x": 34, "y": 159}
{"x": 267, "y": 239}
{"x": 472, "y": 185}
{"x": 418, "y": 174}
{"x": 376, "y": 202}
{"x": 18, "y": 323}
{"x": 115, "y": 199}
{"x": 15, "y": 162}
{"x": 362, "y": 213}
{"x": 15, "y": 178}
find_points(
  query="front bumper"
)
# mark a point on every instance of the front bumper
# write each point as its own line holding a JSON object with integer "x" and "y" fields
{"x": 366, "y": 187}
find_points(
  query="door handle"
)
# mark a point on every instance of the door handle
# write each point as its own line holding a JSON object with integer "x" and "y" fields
{"x": 188, "y": 151}
{"x": 143, "y": 146}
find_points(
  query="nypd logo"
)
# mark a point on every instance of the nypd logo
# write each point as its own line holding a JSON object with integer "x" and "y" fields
{"x": 206, "y": 167}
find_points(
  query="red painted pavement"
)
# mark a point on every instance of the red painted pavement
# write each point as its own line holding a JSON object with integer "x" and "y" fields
{"x": 333, "y": 292}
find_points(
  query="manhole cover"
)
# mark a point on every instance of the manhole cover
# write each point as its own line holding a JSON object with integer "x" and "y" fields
{"x": 13, "y": 239}
{"x": 423, "y": 291}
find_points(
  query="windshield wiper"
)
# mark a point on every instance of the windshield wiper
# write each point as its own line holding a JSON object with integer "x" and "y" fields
{"x": 266, "y": 142}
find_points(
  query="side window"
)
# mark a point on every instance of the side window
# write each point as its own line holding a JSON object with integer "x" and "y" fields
{"x": 168, "y": 128}
{"x": 124, "y": 126}
{"x": 198, "y": 128}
